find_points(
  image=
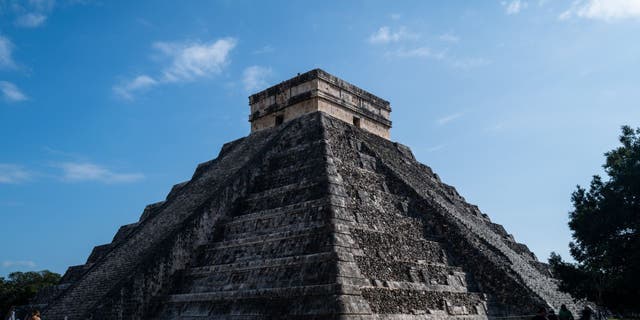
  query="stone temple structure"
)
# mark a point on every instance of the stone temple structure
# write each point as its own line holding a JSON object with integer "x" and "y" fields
{"x": 315, "y": 215}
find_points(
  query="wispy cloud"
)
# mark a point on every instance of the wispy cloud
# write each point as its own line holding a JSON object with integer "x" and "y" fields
{"x": 385, "y": 35}
{"x": 43, "y": 5}
{"x": 185, "y": 62}
{"x": 441, "y": 55}
{"x": 606, "y": 10}
{"x": 19, "y": 263}
{"x": 11, "y": 93}
{"x": 128, "y": 88}
{"x": 449, "y": 37}
{"x": 32, "y": 13}
{"x": 436, "y": 148}
{"x": 255, "y": 77}
{"x": 395, "y": 16}
{"x": 418, "y": 52}
{"x": 397, "y": 47}
{"x": 31, "y": 20}
{"x": 86, "y": 171}
{"x": 514, "y": 6}
{"x": 6, "y": 53}
{"x": 468, "y": 63}
{"x": 448, "y": 118}
{"x": 190, "y": 61}
{"x": 13, "y": 173}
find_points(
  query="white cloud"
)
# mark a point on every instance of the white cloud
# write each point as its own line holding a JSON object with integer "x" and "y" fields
{"x": 606, "y": 10}
{"x": 11, "y": 93}
{"x": 127, "y": 89}
{"x": 436, "y": 148}
{"x": 32, "y": 13}
{"x": 6, "y": 52}
{"x": 449, "y": 37}
{"x": 448, "y": 118}
{"x": 514, "y": 6}
{"x": 85, "y": 171}
{"x": 255, "y": 77}
{"x": 468, "y": 63}
{"x": 31, "y": 20}
{"x": 186, "y": 62}
{"x": 442, "y": 56}
{"x": 42, "y": 5}
{"x": 419, "y": 52}
{"x": 385, "y": 35}
{"x": 12, "y": 173}
{"x": 24, "y": 264}
{"x": 395, "y": 16}
{"x": 191, "y": 61}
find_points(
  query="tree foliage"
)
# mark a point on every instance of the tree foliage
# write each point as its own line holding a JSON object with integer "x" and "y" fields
{"x": 605, "y": 222}
{"x": 19, "y": 287}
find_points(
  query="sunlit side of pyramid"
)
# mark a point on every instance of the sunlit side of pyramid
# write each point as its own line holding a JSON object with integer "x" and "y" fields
{"x": 315, "y": 215}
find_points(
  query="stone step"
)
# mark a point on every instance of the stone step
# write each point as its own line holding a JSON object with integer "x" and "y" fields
{"x": 294, "y": 155}
{"x": 270, "y": 237}
{"x": 397, "y": 301}
{"x": 303, "y": 206}
{"x": 257, "y": 264}
{"x": 312, "y": 290}
{"x": 288, "y": 175}
{"x": 283, "y": 272}
{"x": 413, "y": 271}
{"x": 284, "y": 244}
{"x": 293, "y": 217}
{"x": 283, "y": 196}
{"x": 384, "y": 231}
{"x": 295, "y": 186}
{"x": 416, "y": 286}
{"x": 390, "y": 247}
{"x": 265, "y": 227}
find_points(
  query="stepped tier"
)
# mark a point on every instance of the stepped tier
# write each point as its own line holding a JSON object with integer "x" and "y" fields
{"x": 313, "y": 219}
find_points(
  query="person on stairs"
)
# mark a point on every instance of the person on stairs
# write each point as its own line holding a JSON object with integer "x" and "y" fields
{"x": 35, "y": 315}
{"x": 564, "y": 313}
{"x": 541, "y": 314}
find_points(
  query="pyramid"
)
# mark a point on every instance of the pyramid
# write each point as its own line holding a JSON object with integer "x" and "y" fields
{"x": 309, "y": 217}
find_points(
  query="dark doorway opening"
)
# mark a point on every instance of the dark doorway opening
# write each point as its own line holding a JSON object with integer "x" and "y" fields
{"x": 279, "y": 120}
{"x": 356, "y": 122}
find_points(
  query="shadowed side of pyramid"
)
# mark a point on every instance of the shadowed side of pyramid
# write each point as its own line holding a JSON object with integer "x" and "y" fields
{"x": 262, "y": 204}
{"x": 278, "y": 254}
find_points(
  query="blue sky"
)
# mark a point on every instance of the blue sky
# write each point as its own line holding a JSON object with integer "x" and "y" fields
{"x": 105, "y": 105}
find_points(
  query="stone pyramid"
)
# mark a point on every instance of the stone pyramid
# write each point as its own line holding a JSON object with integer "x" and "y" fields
{"x": 313, "y": 218}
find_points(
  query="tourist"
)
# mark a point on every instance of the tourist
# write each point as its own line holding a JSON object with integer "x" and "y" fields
{"x": 541, "y": 314}
{"x": 35, "y": 315}
{"x": 564, "y": 313}
{"x": 552, "y": 315}
{"x": 586, "y": 314}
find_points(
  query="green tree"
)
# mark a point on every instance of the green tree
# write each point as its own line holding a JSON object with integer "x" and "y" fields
{"x": 605, "y": 222}
{"x": 19, "y": 287}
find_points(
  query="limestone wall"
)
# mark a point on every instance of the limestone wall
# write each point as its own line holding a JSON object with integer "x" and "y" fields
{"x": 319, "y": 91}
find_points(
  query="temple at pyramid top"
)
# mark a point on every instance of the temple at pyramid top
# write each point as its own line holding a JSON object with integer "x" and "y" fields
{"x": 318, "y": 90}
